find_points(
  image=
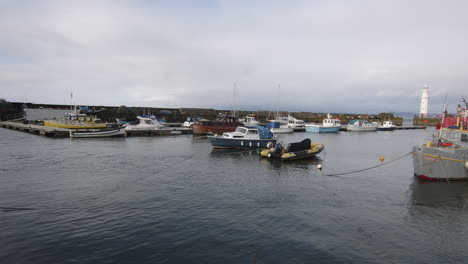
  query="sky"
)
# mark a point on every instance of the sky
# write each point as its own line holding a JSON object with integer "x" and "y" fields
{"x": 317, "y": 56}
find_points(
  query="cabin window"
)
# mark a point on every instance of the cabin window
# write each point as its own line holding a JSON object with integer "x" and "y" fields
{"x": 241, "y": 130}
{"x": 464, "y": 138}
{"x": 253, "y": 131}
{"x": 90, "y": 119}
{"x": 148, "y": 122}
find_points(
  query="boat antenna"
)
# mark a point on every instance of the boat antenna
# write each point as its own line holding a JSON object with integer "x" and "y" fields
{"x": 443, "y": 118}
{"x": 235, "y": 99}
{"x": 71, "y": 100}
{"x": 466, "y": 109}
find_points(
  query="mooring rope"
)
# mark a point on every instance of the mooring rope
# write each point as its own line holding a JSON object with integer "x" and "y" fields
{"x": 373, "y": 167}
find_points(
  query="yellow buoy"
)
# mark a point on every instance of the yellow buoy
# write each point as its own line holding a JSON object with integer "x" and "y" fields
{"x": 382, "y": 158}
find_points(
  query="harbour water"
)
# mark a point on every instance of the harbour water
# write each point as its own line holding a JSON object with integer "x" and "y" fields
{"x": 176, "y": 200}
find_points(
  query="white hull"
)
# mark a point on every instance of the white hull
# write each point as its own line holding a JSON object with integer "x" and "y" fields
{"x": 282, "y": 130}
{"x": 362, "y": 129}
{"x": 96, "y": 134}
{"x": 141, "y": 128}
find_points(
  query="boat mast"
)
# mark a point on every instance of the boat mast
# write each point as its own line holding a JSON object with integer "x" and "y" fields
{"x": 235, "y": 99}
{"x": 466, "y": 111}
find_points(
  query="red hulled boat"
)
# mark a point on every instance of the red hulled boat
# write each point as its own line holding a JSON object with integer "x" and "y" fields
{"x": 221, "y": 125}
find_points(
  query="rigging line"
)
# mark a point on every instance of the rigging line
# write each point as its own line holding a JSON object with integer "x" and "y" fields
{"x": 373, "y": 167}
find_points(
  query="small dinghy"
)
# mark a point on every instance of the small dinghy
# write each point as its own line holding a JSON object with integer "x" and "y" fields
{"x": 294, "y": 151}
{"x": 111, "y": 132}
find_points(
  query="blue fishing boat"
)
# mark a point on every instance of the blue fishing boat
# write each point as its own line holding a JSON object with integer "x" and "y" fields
{"x": 250, "y": 137}
{"x": 329, "y": 125}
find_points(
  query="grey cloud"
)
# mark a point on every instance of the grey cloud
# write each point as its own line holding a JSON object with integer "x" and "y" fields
{"x": 340, "y": 56}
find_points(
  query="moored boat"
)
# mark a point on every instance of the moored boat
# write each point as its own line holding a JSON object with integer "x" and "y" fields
{"x": 251, "y": 137}
{"x": 76, "y": 120}
{"x": 386, "y": 126}
{"x": 146, "y": 122}
{"x": 113, "y": 132}
{"x": 222, "y": 124}
{"x": 444, "y": 157}
{"x": 294, "y": 151}
{"x": 191, "y": 120}
{"x": 329, "y": 125}
{"x": 361, "y": 125}
{"x": 278, "y": 127}
{"x": 294, "y": 123}
{"x": 249, "y": 121}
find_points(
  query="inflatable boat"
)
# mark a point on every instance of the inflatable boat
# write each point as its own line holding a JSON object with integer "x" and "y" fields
{"x": 294, "y": 151}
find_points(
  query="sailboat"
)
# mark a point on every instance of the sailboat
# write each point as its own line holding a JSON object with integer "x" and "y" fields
{"x": 279, "y": 125}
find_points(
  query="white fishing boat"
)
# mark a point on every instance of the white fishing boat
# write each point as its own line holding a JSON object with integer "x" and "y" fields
{"x": 147, "y": 122}
{"x": 386, "y": 126}
{"x": 296, "y": 124}
{"x": 279, "y": 127}
{"x": 97, "y": 133}
{"x": 329, "y": 125}
{"x": 445, "y": 156}
{"x": 361, "y": 125}
{"x": 249, "y": 121}
{"x": 191, "y": 120}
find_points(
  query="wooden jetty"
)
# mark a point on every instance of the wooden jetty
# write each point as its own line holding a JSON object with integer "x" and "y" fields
{"x": 410, "y": 127}
{"x": 37, "y": 129}
{"x": 345, "y": 128}
{"x": 65, "y": 132}
{"x": 166, "y": 131}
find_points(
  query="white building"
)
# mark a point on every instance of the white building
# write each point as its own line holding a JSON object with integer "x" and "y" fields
{"x": 423, "y": 112}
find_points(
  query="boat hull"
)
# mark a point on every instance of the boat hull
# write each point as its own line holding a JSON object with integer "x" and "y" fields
{"x": 435, "y": 163}
{"x": 322, "y": 129}
{"x": 95, "y": 134}
{"x": 361, "y": 129}
{"x": 220, "y": 142}
{"x": 385, "y": 128}
{"x": 74, "y": 125}
{"x": 282, "y": 130}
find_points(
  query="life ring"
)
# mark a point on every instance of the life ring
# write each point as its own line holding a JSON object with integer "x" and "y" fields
{"x": 446, "y": 144}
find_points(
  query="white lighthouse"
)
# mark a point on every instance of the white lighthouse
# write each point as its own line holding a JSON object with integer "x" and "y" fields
{"x": 423, "y": 112}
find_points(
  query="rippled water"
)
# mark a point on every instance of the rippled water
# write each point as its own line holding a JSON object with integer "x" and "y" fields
{"x": 175, "y": 200}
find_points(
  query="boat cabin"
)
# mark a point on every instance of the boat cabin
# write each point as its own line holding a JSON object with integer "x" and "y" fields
{"x": 256, "y": 132}
{"x": 80, "y": 118}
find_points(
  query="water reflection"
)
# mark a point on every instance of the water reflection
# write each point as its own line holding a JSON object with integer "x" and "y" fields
{"x": 234, "y": 152}
{"x": 439, "y": 194}
{"x": 303, "y": 164}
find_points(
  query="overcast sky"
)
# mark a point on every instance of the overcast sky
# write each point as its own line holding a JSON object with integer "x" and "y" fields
{"x": 325, "y": 56}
